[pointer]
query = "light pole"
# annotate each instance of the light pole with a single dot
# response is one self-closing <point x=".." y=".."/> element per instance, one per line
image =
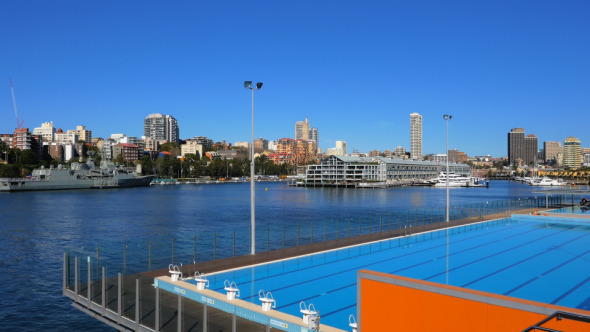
<point x="248" y="85"/>
<point x="447" y="119"/>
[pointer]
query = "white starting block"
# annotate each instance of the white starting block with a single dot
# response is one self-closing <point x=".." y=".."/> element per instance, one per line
<point x="201" y="280"/>
<point x="267" y="300"/>
<point x="231" y="289"/>
<point x="308" y="312"/>
<point x="352" y="322"/>
<point x="175" y="273"/>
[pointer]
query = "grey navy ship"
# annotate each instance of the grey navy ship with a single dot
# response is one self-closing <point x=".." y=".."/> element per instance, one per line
<point x="78" y="176"/>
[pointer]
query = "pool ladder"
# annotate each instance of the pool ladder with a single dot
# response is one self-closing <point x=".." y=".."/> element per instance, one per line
<point x="201" y="280"/>
<point x="311" y="317"/>
<point x="232" y="290"/>
<point x="175" y="273"/>
<point x="267" y="300"/>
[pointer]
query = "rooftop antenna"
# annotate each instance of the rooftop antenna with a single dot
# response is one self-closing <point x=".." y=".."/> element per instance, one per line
<point x="19" y="125"/>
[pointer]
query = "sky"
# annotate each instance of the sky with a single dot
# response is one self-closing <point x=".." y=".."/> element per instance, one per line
<point x="356" y="69"/>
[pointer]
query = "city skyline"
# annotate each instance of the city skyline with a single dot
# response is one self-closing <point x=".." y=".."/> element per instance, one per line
<point x="493" y="66"/>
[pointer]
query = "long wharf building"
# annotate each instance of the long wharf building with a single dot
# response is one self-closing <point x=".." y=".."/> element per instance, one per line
<point x="352" y="169"/>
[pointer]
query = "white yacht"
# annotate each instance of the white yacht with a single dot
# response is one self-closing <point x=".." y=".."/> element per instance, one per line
<point x="546" y="182"/>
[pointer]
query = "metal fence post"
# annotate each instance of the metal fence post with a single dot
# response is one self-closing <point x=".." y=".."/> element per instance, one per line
<point x="76" y="278"/>
<point x="283" y="236"/>
<point x="157" y="322"/>
<point x="124" y="259"/>
<point x="268" y="238"/>
<point x="64" y="276"/>
<point x="179" y="324"/>
<point x="215" y="246"/>
<point x="324" y="231"/>
<point x="234" y="245"/>
<point x="97" y="263"/>
<point x="312" y="232"/>
<point x="119" y="295"/>
<point x="136" y="304"/>
<point x="150" y="255"/>
<point x="104" y="290"/>
<point x="89" y="282"/>
<point x="172" y="250"/>
<point x="297" y="234"/>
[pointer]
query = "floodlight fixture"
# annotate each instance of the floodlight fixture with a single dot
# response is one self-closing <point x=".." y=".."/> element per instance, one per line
<point x="258" y="85"/>
<point x="248" y="84"/>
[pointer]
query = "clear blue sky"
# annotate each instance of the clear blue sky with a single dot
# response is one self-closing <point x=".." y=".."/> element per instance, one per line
<point x="356" y="69"/>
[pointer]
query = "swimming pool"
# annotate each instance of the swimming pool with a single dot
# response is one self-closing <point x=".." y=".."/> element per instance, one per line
<point x="526" y="258"/>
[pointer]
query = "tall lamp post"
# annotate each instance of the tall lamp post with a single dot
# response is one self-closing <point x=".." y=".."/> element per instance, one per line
<point x="447" y="119"/>
<point x="248" y="85"/>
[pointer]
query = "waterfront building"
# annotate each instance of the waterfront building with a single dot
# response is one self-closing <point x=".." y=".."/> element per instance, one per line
<point x="374" y="153"/>
<point x="341" y="145"/>
<point x="295" y="152"/>
<point x="151" y="144"/>
<point x="272" y="145"/>
<point x="314" y="136"/>
<point x="302" y="129"/>
<point x="55" y="151"/>
<point x="46" y="131"/>
<point x="334" y="152"/>
<point x="456" y="156"/>
<point x="192" y="146"/>
<point x="351" y="169"/>
<point x="531" y="145"/>
<point x="82" y="133"/>
<point x="130" y="152"/>
<point x="260" y="145"/>
<point x="522" y="150"/>
<point x="572" y="154"/>
<point x="416" y="136"/>
<point x="440" y="158"/>
<point x="161" y="127"/>
<point x="206" y="142"/>
<point x="400" y="152"/>
<point x="65" y="138"/>
<point x="551" y="149"/>
<point x="586" y="160"/>
<point x="245" y="145"/>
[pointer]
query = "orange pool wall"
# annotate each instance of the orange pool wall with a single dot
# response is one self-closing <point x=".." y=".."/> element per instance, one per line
<point x="394" y="303"/>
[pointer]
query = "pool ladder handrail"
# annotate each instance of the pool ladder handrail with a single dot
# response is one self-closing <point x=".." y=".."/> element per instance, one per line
<point x="231" y="287"/>
<point x="175" y="272"/>
<point x="352" y="322"/>
<point x="307" y="311"/>
<point x="201" y="280"/>
<point x="267" y="300"/>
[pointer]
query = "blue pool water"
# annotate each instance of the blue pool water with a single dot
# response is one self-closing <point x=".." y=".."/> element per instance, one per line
<point x="539" y="261"/>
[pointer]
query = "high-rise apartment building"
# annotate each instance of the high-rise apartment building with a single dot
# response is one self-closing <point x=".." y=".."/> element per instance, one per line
<point x="551" y="150"/>
<point x="531" y="149"/>
<point x="522" y="150"/>
<point x="572" y="153"/>
<point x="416" y="135"/>
<point x="161" y="127"/>
<point x="302" y="130"/>
<point x="314" y="136"/>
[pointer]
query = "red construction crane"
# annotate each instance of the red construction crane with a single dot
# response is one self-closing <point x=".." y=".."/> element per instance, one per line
<point x="19" y="125"/>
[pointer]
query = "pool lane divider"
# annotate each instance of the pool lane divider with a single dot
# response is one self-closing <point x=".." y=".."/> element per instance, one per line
<point x="241" y="308"/>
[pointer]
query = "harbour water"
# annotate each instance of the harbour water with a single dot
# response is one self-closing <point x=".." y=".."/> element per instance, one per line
<point x="37" y="227"/>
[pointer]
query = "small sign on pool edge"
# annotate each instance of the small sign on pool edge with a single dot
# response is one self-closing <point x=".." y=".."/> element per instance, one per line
<point x="278" y="323"/>
<point x="207" y="300"/>
<point x="179" y="290"/>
